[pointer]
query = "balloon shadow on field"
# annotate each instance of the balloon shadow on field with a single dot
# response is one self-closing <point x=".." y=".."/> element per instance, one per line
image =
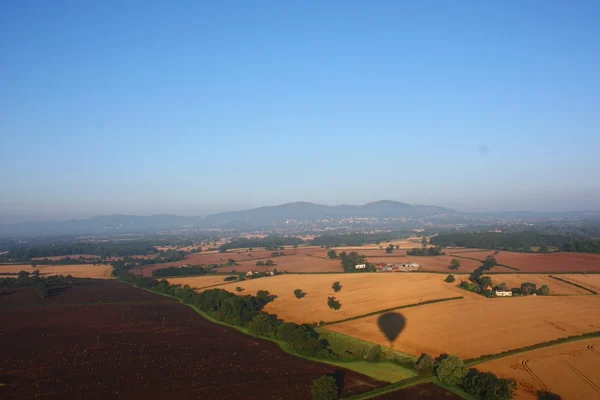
<point x="391" y="324"/>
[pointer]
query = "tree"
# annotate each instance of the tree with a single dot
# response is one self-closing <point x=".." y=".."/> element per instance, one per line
<point x="485" y="281"/>
<point x="528" y="288"/>
<point x="450" y="278"/>
<point x="231" y="278"/>
<point x="299" y="293"/>
<point x="260" y="263"/>
<point x="264" y="324"/>
<point x="397" y="247"/>
<point x="389" y="249"/>
<point x="333" y="303"/>
<point x="450" y="370"/>
<point x="425" y="364"/>
<point x="487" y="386"/>
<point x="374" y="353"/>
<point x="325" y="388"/>
<point x="424" y="241"/>
<point x="454" y="264"/>
<point x="490" y="261"/>
<point x="239" y="289"/>
<point x="544" y="290"/>
<point x="336" y="286"/>
<point x="332" y="254"/>
<point x="269" y="263"/>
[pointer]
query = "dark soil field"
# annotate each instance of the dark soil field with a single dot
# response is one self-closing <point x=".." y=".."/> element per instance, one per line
<point x="424" y="391"/>
<point x="108" y="340"/>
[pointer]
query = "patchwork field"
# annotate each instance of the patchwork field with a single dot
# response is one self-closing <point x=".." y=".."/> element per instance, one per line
<point x="569" y="370"/>
<point x="543" y="262"/>
<point x="361" y="293"/>
<point x="556" y="286"/>
<point x="105" y="340"/>
<point x="591" y="281"/>
<point x="76" y="270"/>
<point x="472" y="327"/>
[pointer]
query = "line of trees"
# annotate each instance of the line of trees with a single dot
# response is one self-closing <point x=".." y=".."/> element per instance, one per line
<point x="357" y="239"/>
<point x="431" y="251"/>
<point x="101" y="249"/>
<point x="269" y="243"/>
<point x="352" y="259"/>
<point x="181" y="271"/>
<point x="44" y="286"/>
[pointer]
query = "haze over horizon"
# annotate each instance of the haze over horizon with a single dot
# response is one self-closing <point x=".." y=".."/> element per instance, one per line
<point x="190" y="109"/>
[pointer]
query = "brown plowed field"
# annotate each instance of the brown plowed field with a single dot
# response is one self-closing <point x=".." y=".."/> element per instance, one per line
<point x="98" y="271"/>
<point x="569" y="370"/>
<point x="361" y="293"/>
<point x="149" y="347"/>
<point x="474" y="327"/>
<point x="556" y="286"/>
<point x="424" y="391"/>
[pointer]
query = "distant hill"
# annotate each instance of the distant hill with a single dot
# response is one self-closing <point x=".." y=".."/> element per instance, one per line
<point x="311" y="211"/>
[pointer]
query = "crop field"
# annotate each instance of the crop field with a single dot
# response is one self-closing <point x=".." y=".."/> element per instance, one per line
<point x="473" y="327"/>
<point x="361" y="293"/>
<point x="432" y="264"/>
<point x="543" y="262"/>
<point x="424" y="391"/>
<point x="140" y="345"/>
<point x="556" y="287"/>
<point x="98" y="271"/>
<point x="590" y="281"/>
<point x="569" y="370"/>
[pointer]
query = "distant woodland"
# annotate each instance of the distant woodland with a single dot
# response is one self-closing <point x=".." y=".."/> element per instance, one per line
<point x="357" y="239"/>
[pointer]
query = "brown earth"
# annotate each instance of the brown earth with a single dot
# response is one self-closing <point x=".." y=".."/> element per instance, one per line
<point x="474" y="327"/>
<point x="543" y="262"/>
<point x="141" y="345"/>
<point x="424" y="391"/>
<point x="569" y="370"/>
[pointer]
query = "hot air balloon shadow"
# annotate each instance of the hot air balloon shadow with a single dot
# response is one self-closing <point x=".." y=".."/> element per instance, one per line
<point x="391" y="324"/>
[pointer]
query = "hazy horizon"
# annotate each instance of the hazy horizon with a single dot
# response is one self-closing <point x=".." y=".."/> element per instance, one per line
<point x="190" y="108"/>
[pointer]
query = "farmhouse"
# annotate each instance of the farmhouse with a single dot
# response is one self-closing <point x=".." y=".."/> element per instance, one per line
<point x="360" y="266"/>
<point x="503" y="293"/>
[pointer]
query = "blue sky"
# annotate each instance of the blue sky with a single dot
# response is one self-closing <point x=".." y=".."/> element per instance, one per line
<point x="193" y="107"/>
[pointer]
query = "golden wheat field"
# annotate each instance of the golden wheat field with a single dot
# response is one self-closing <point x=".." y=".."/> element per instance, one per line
<point x="360" y="294"/>
<point x="556" y="286"/>
<point x="570" y="370"/>
<point x="76" y="270"/>
<point x="474" y="327"/>
<point x="590" y="281"/>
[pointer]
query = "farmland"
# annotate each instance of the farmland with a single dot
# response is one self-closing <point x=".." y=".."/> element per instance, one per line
<point x="106" y="339"/>
<point x="543" y="262"/>
<point x="569" y="370"/>
<point x="432" y="264"/>
<point x="98" y="271"/>
<point x="361" y="293"/>
<point x="471" y="327"/>
<point x="556" y="286"/>
<point x="198" y="282"/>
<point x="591" y="281"/>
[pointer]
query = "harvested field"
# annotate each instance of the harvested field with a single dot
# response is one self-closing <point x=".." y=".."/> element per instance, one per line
<point x="424" y="391"/>
<point x="295" y="259"/>
<point x="569" y="370"/>
<point x="469" y="327"/>
<point x="98" y="271"/>
<point x="545" y="262"/>
<point x="149" y="347"/>
<point x="198" y="282"/>
<point x="556" y="286"/>
<point x="591" y="281"/>
<point x="361" y="293"/>
<point x="433" y="264"/>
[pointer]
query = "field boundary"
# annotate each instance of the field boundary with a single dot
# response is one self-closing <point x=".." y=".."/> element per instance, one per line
<point x="481" y="261"/>
<point x="395" y="308"/>
<point x="574" y="284"/>
<point x="489" y="357"/>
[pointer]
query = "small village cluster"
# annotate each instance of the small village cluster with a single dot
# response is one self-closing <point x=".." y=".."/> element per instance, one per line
<point x="406" y="267"/>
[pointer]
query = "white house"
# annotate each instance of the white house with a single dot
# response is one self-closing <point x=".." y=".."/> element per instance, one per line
<point x="360" y="266"/>
<point x="503" y="293"/>
<point x="249" y="273"/>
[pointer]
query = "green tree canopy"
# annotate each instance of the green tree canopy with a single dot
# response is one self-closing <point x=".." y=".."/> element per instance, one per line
<point x="325" y="388"/>
<point x="450" y="370"/>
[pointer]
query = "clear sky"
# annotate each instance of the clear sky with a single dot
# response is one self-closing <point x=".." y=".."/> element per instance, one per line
<point x="189" y="107"/>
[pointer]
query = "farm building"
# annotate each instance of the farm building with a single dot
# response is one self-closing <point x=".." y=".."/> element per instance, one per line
<point x="503" y="293"/>
<point x="360" y="266"/>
